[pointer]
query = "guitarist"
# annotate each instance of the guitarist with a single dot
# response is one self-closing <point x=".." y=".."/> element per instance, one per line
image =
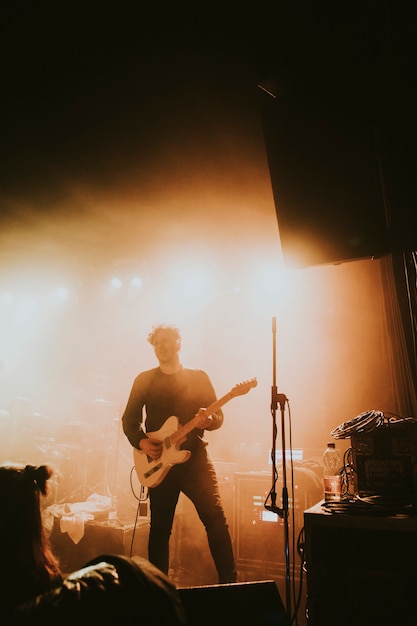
<point x="157" y="394"/>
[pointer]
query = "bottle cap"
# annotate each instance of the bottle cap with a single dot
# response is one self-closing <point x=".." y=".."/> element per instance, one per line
<point x="331" y="444"/>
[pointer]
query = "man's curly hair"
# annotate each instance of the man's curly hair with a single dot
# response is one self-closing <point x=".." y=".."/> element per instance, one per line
<point x="164" y="327"/>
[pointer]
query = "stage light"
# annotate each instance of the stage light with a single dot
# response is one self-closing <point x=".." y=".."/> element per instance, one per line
<point x="116" y="283"/>
<point x="136" y="282"/>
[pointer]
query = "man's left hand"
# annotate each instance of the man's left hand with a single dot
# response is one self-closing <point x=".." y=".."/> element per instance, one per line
<point x="203" y="419"/>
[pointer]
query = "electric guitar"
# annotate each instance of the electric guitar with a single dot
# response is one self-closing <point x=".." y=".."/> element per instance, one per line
<point x="151" y="472"/>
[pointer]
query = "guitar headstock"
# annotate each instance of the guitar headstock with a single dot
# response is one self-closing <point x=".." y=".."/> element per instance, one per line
<point x="241" y="388"/>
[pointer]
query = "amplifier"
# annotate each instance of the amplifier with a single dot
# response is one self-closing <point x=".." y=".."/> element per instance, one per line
<point x="259" y="534"/>
<point x="99" y="538"/>
<point x="385" y="461"/>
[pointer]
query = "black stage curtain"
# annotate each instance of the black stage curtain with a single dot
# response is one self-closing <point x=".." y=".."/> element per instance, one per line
<point x="399" y="275"/>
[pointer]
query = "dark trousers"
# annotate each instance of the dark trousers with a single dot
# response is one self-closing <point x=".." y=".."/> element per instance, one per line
<point x="196" y="478"/>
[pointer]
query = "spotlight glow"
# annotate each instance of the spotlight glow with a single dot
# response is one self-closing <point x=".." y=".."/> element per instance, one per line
<point x="136" y="282"/>
<point x="116" y="283"/>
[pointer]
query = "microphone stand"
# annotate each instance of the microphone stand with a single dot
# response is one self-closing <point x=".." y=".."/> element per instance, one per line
<point x="280" y="399"/>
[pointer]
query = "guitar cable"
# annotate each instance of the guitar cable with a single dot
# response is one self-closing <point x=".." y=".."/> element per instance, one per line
<point x="142" y="500"/>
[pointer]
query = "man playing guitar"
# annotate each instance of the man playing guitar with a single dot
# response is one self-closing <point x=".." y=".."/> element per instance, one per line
<point x="157" y="395"/>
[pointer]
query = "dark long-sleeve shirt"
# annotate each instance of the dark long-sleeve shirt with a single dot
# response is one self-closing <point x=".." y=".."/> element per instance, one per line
<point x="156" y="396"/>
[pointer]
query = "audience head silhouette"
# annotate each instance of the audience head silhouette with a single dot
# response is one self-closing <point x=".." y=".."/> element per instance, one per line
<point x="28" y="565"/>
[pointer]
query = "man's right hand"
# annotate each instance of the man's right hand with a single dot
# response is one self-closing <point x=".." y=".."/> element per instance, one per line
<point x="151" y="447"/>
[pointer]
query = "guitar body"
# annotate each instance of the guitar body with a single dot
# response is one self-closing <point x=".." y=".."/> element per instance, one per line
<point x="152" y="472"/>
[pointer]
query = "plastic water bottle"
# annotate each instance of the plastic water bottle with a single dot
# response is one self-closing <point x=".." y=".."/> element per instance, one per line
<point x="331" y="474"/>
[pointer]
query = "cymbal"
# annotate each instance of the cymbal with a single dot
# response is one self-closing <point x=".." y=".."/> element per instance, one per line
<point x="99" y="401"/>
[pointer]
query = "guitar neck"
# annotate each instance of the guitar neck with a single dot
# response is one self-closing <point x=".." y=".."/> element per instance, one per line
<point x="183" y="431"/>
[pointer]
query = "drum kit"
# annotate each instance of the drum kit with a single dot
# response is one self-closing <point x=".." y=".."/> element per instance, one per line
<point x="82" y="452"/>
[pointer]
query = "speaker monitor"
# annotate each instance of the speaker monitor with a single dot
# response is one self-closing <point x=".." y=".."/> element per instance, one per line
<point x="245" y="604"/>
<point x="340" y="145"/>
<point x="327" y="195"/>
